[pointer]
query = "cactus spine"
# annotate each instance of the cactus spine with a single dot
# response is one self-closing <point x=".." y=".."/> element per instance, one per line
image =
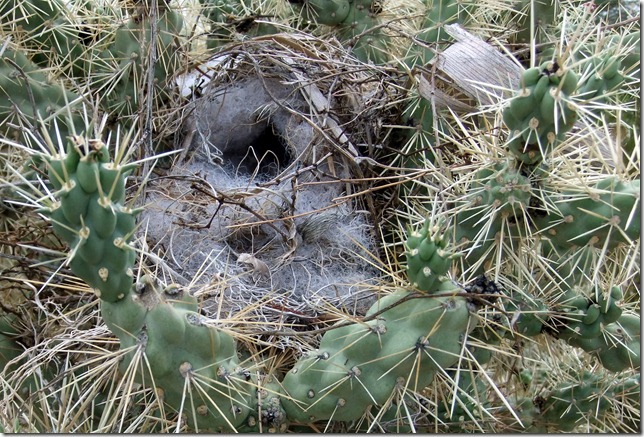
<point x="356" y="366"/>
<point x="28" y="96"/>
<point x="513" y="214"/>
<point x="542" y="113"/>
<point x="362" y="365"/>
<point x="356" y="23"/>
<point x="183" y="355"/>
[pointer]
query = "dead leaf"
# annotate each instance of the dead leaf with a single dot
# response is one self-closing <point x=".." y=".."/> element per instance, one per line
<point x="468" y="74"/>
<point x="260" y="268"/>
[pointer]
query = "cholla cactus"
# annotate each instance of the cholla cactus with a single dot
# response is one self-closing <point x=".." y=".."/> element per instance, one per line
<point x="88" y="212"/>
<point x="29" y="96"/>
<point x="357" y="23"/>
<point x="518" y="308"/>
<point x="551" y="248"/>
<point x="230" y="20"/>
<point x="363" y="365"/>
<point x="61" y="54"/>
<point x="540" y="117"/>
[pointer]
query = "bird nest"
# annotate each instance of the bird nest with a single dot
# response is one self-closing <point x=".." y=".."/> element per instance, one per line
<point x="270" y="203"/>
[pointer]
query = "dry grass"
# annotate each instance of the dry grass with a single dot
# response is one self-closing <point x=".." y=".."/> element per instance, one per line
<point x="69" y="360"/>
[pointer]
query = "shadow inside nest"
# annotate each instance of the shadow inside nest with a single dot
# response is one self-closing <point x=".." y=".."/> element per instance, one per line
<point x="262" y="205"/>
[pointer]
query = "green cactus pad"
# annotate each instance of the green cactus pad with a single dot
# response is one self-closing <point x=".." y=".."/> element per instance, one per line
<point x="361" y="365"/>
<point x="569" y="406"/>
<point x="94" y="226"/>
<point x="529" y="315"/>
<point x="427" y="257"/>
<point x="541" y="113"/>
<point x="604" y="215"/>
<point x="329" y="12"/>
<point x="618" y="346"/>
<point x="498" y="198"/>
<point x="603" y="77"/>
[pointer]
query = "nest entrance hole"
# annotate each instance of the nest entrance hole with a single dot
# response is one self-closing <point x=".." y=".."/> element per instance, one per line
<point x="265" y="156"/>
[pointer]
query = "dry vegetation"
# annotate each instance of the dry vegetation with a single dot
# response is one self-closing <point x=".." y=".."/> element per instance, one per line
<point x="280" y="178"/>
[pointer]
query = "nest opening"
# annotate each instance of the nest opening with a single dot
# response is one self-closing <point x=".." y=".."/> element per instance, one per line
<point x="265" y="155"/>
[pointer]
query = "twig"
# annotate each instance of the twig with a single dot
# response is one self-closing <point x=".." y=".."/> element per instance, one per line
<point x="387" y="308"/>
<point x="224" y="198"/>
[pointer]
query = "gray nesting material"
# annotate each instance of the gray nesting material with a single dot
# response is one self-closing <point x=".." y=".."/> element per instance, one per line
<point x="255" y="207"/>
